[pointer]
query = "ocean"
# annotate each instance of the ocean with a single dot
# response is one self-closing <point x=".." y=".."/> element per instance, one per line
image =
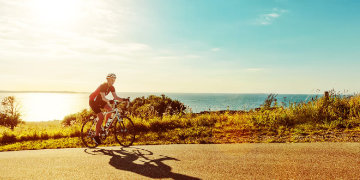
<point x="55" y="106"/>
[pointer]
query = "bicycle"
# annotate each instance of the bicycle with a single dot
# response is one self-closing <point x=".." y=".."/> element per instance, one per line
<point x="123" y="130"/>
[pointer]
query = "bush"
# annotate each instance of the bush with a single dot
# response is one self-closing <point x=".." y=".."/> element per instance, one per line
<point x="69" y="120"/>
<point x="8" y="138"/>
<point x="269" y="101"/>
<point x="155" y="106"/>
<point x="77" y="118"/>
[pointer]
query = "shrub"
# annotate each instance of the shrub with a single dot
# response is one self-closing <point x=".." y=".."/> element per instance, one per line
<point x="8" y="138"/>
<point x="269" y="101"/>
<point x="155" y="106"/>
<point x="69" y="120"/>
<point x="77" y="118"/>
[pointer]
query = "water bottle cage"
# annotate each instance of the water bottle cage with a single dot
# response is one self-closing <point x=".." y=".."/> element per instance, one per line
<point x="108" y="123"/>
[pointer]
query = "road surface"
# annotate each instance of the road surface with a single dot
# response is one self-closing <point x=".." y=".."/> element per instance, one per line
<point x="197" y="161"/>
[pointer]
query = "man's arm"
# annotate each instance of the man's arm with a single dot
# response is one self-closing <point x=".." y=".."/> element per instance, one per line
<point x="104" y="98"/>
<point x="116" y="97"/>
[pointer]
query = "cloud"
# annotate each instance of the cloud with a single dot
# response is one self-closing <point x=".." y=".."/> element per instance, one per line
<point x="254" y="69"/>
<point x="215" y="49"/>
<point x="100" y="31"/>
<point x="269" y="18"/>
<point x="192" y="56"/>
<point x="174" y="57"/>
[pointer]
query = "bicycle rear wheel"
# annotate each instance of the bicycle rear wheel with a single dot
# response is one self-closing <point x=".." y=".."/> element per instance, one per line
<point x="88" y="131"/>
<point x="124" y="132"/>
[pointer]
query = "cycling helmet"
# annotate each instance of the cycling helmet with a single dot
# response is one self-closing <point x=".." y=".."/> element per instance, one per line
<point x="111" y="75"/>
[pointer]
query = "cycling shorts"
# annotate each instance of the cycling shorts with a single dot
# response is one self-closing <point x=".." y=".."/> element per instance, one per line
<point x="97" y="105"/>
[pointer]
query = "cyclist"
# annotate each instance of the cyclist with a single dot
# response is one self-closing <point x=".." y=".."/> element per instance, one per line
<point x="97" y="101"/>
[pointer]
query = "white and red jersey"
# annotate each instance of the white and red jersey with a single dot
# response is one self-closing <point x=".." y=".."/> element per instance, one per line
<point x="102" y="88"/>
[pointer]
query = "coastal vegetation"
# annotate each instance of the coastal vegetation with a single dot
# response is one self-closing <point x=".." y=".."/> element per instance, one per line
<point x="160" y="120"/>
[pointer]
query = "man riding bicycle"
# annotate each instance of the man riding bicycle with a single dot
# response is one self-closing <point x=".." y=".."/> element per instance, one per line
<point x="98" y="101"/>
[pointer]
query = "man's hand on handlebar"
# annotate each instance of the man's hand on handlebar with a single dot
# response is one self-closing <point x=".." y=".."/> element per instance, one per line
<point x="126" y="99"/>
<point x="120" y="100"/>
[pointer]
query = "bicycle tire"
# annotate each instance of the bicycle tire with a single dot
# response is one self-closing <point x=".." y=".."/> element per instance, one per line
<point x="88" y="130"/>
<point x="124" y="132"/>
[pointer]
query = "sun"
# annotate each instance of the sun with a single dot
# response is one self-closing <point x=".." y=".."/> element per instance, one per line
<point x="56" y="12"/>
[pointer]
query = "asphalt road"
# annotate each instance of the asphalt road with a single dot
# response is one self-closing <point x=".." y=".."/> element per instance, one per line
<point x="225" y="161"/>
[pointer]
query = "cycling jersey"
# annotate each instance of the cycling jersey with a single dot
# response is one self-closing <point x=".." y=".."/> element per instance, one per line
<point x="102" y="88"/>
<point x="95" y="100"/>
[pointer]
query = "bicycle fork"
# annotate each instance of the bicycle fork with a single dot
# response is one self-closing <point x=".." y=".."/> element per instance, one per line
<point x="122" y="126"/>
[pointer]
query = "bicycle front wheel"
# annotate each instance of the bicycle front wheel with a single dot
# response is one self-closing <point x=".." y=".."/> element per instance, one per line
<point x="124" y="131"/>
<point x="88" y="131"/>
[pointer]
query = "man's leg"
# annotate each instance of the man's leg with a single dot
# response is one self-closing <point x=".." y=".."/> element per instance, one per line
<point x="98" y="125"/>
<point x="108" y="108"/>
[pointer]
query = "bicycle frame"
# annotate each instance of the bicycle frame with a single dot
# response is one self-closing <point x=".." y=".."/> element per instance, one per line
<point x="124" y="133"/>
<point x="110" y="121"/>
<point x="117" y="115"/>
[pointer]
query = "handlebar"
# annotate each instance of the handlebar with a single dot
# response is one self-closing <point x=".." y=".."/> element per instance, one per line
<point x="116" y="102"/>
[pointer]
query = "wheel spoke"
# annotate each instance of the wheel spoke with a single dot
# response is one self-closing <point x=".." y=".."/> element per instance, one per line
<point x="88" y="132"/>
<point x="125" y="132"/>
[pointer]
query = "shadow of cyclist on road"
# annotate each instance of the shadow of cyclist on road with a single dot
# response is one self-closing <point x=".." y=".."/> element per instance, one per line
<point x="140" y="161"/>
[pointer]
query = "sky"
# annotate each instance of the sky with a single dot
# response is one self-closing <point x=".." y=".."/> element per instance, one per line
<point x="197" y="46"/>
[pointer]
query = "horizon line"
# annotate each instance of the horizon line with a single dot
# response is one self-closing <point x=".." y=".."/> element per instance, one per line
<point x="79" y="92"/>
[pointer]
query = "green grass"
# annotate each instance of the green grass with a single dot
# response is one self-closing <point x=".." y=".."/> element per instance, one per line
<point x="31" y="131"/>
<point x="336" y="119"/>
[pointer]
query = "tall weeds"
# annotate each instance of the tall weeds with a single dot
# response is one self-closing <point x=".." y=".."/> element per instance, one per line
<point x="344" y="111"/>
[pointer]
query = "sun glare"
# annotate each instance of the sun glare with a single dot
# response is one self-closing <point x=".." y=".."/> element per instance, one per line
<point x="56" y="12"/>
<point x="50" y="106"/>
<point x="41" y="106"/>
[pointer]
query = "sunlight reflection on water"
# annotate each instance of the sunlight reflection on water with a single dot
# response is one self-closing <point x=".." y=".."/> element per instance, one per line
<point x="49" y="106"/>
